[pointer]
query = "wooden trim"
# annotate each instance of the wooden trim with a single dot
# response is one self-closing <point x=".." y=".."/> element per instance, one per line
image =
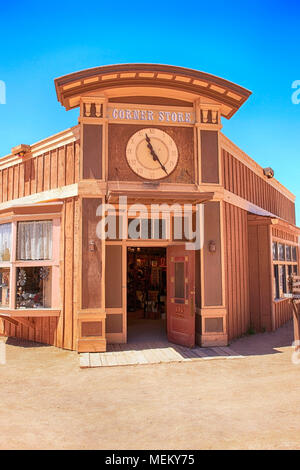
<point x="29" y="312"/>
<point x="70" y="87"/>
<point x="43" y="197"/>
<point x="43" y="146"/>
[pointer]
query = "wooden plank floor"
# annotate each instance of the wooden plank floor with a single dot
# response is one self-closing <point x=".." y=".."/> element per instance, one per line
<point x="152" y="353"/>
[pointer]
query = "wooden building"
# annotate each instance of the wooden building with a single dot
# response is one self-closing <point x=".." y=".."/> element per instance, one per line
<point x="152" y="134"/>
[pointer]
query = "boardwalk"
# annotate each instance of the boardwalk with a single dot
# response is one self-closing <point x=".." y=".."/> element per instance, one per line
<point x="152" y="353"/>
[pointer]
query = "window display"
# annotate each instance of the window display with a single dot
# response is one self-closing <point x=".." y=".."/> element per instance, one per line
<point x="33" y="289"/>
<point x="4" y="287"/>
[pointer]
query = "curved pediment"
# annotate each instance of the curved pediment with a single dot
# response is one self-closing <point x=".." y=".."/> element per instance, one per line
<point x="125" y="80"/>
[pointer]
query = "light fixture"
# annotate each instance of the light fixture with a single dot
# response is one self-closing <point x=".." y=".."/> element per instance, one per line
<point x="21" y="150"/>
<point x="212" y="247"/>
<point x="269" y="172"/>
<point x="92" y="245"/>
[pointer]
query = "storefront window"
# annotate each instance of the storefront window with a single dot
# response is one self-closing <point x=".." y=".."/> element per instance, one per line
<point x="34" y="240"/>
<point x="285" y="264"/>
<point x="4" y="287"/>
<point x="33" y="289"/>
<point x="5" y="242"/>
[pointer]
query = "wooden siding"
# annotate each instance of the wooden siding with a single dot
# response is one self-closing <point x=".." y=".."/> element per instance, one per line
<point x="58" y="331"/>
<point x="240" y="180"/>
<point x="283" y="312"/>
<point x="260" y="276"/>
<point x="236" y="269"/>
<point x="58" y="167"/>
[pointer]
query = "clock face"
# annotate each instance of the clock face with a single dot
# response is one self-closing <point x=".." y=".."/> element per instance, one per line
<point x="151" y="153"/>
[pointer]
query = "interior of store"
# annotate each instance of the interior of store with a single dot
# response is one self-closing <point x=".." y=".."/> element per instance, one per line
<point x="146" y="293"/>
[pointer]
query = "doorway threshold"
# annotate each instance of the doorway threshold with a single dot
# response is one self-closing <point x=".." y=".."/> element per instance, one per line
<point x="153" y="353"/>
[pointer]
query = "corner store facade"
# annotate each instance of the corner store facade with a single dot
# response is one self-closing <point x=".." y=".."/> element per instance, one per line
<point x="64" y="178"/>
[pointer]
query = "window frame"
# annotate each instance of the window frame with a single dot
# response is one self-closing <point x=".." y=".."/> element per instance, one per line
<point x="14" y="263"/>
<point x="285" y="264"/>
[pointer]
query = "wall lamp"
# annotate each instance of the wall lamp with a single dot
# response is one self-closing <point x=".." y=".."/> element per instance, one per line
<point x="269" y="172"/>
<point x="21" y="150"/>
<point x="212" y="247"/>
<point x="92" y="245"/>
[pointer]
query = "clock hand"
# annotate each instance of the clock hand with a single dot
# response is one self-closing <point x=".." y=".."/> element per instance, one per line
<point x="154" y="156"/>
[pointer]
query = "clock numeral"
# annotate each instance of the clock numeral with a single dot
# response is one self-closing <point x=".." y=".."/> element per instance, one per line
<point x="151" y="131"/>
<point x="173" y="153"/>
<point x="129" y="151"/>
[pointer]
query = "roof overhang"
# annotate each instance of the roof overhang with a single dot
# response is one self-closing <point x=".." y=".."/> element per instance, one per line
<point x="189" y="82"/>
<point x="150" y="196"/>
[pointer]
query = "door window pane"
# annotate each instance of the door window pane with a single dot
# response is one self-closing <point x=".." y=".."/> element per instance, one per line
<point x="179" y="281"/>
<point x="288" y="253"/>
<point x="5" y="242"/>
<point x="4" y="287"/>
<point x="35" y="240"/>
<point x="294" y="253"/>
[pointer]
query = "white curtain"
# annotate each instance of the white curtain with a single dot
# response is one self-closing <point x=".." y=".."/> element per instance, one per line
<point x="35" y="240"/>
<point x="5" y="242"/>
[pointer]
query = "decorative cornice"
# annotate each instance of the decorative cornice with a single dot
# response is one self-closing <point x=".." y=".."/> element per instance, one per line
<point x="70" y="87"/>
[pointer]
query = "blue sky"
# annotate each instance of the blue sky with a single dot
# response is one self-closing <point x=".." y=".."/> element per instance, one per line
<point x="254" y="44"/>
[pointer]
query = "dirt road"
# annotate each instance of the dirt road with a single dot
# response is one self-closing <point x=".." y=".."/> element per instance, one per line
<point x="48" y="402"/>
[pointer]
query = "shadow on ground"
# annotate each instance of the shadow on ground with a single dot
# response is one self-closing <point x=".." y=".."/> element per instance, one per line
<point x="265" y="343"/>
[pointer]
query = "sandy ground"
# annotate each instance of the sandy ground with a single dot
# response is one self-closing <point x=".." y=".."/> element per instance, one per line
<point x="48" y="402"/>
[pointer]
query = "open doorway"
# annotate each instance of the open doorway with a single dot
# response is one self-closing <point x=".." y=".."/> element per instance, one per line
<point x="146" y="294"/>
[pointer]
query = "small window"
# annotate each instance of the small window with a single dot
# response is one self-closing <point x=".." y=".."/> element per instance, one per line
<point x="34" y="240"/>
<point x="276" y="282"/>
<point x="288" y="253"/>
<point x="5" y="242"/>
<point x="281" y="252"/>
<point x="295" y="270"/>
<point x="33" y="289"/>
<point x="282" y="280"/>
<point x="294" y="253"/>
<point x="275" y="251"/>
<point x="4" y="287"/>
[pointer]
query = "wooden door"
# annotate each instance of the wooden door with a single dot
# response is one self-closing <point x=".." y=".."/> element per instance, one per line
<point x="181" y="296"/>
